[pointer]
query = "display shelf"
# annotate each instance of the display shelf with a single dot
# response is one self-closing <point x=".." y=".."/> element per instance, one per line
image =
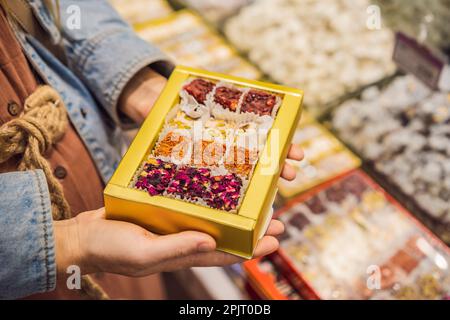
<point x="345" y="234"/>
<point x="325" y="158"/>
<point x="136" y="11"/>
<point x="401" y="132"/>
<point x="190" y="41"/>
<point x="325" y="48"/>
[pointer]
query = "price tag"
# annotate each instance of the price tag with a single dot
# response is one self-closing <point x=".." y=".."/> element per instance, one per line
<point x="415" y="58"/>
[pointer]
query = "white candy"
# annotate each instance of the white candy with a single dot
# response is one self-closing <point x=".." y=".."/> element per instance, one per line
<point x="404" y="129"/>
<point x="321" y="46"/>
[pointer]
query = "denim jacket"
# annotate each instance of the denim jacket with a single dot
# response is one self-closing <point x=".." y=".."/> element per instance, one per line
<point x="102" y="56"/>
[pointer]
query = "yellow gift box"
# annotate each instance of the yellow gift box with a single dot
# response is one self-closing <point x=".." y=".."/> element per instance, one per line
<point x="236" y="233"/>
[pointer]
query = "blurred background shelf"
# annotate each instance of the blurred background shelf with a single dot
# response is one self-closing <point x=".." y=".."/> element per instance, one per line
<point x="326" y="49"/>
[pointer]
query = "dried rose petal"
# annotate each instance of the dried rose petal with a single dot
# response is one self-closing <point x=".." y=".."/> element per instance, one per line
<point x="190" y="183"/>
<point x="156" y="176"/>
<point x="241" y="161"/>
<point x="173" y="145"/>
<point x="225" y="192"/>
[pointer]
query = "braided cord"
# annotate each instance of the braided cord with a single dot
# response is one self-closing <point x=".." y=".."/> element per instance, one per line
<point x="32" y="135"/>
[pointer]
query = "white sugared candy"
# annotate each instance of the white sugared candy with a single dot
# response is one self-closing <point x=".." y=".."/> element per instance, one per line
<point x="323" y="47"/>
<point x="405" y="130"/>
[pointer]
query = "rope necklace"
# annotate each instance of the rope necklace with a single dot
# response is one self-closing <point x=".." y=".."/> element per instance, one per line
<point x="32" y="135"/>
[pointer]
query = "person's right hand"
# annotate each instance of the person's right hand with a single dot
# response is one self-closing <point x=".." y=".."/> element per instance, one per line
<point x="99" y="245"/>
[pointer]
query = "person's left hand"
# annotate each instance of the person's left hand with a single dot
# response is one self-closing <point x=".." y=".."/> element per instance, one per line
<point x="140" y="94"/>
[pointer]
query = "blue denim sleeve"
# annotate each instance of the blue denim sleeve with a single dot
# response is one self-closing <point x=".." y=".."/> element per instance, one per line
<point x="104" y="50"/>
<point x="27" y="254"/>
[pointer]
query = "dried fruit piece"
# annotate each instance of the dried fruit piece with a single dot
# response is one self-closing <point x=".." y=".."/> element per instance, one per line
<point x="199" y="89"/>
<point x="405" y="261"/>
<point x="259" y="102"/>
<point x="241" y="161"/>
<point x="228" y="97"/>
<point x="207" y="153"/>
<point x="284" y="236"/>
<point x="173" y="145"/>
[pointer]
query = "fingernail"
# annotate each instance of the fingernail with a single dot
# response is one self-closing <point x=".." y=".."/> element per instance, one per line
<point x="205" y="247"/>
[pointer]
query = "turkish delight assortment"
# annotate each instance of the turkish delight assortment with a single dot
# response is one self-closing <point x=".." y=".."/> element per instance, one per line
<point x="350" y="241"/>
<point x="137" y="11"/>
<point x="322" y="46"/>
<point x="210" y="143"/>
<point x="191" y="42"/>
<point x="404" y="130"/>
<point x="325" y="158"/>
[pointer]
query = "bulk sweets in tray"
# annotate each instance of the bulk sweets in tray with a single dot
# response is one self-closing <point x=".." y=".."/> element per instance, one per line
<point x="350" y="240"/>
<point x="268" y="281"/>
<point x="403" y="130"/>
<point x="136" y="11"/>
<point x="207" y="158"/>
<point x="216" y="11"/>
<point x="188" y="40"/>
<point x="325" y="158"/>
<point x="323" y="46"/>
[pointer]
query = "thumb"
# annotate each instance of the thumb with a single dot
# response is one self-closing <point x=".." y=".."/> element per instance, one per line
<point x="181" y="244"/>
